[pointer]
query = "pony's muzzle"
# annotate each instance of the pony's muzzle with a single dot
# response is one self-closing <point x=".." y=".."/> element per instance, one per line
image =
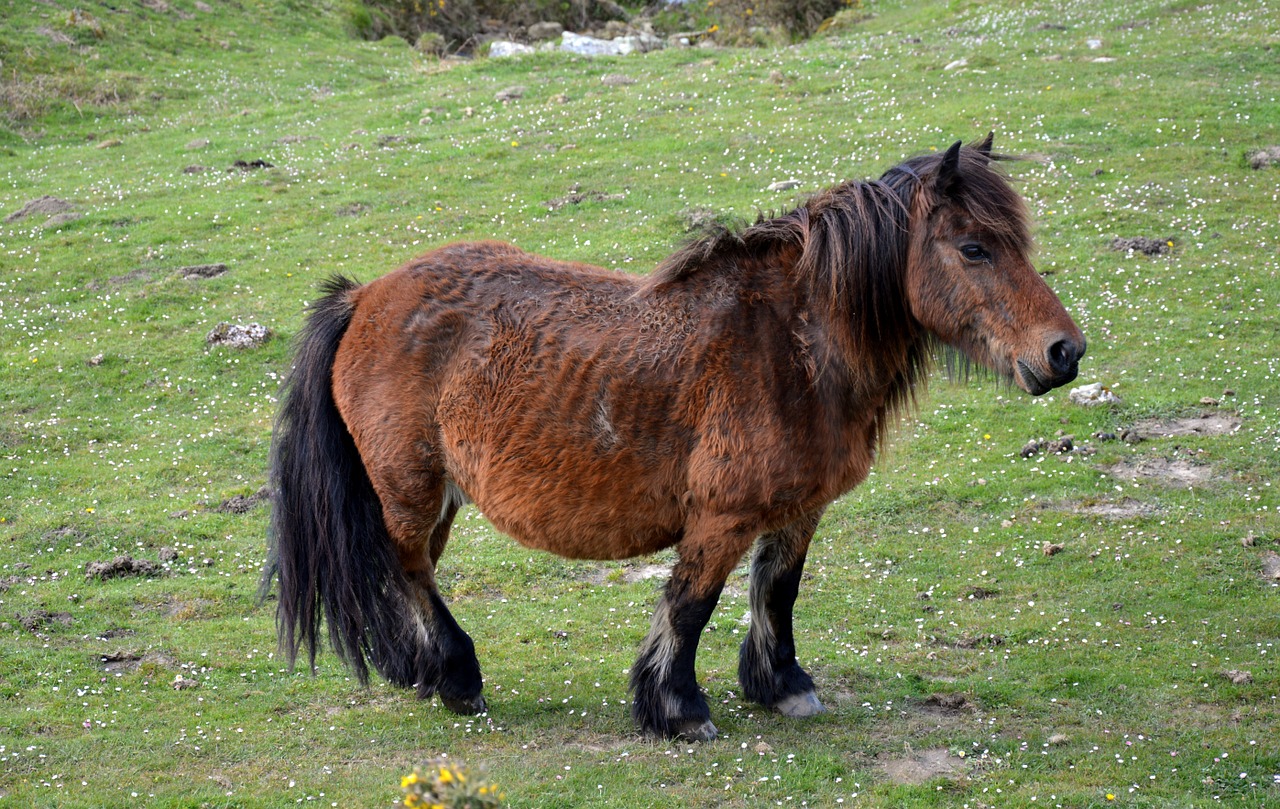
<point x="1064" y="358"/>
<point x="1060" y="365"/>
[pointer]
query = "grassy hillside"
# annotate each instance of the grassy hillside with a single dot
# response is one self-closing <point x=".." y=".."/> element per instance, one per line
<point x="962" y="664"/>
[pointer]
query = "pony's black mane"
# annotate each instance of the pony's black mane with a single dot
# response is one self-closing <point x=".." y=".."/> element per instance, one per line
<point x="872" y="213"/>
<point x="853" y="244"/>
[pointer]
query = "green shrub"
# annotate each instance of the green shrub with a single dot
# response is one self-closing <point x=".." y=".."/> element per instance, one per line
<point x="762" y="21"/>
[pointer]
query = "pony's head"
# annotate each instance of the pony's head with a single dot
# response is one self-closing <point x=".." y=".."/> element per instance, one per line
<point x="970" y="281"/>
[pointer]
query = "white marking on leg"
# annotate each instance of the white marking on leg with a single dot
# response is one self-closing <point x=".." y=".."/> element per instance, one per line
<point x="413" y="605"/>
<point x="662" y="642"/>
<point x="765" y="569"/>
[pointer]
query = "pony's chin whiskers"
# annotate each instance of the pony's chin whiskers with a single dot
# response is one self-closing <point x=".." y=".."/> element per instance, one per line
<point x="982" y="362"/>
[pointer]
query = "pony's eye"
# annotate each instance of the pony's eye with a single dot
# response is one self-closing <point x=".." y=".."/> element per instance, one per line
<point x="975" y="252"/>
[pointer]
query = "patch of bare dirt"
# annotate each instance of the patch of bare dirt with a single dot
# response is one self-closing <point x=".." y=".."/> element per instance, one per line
<point x="947" y="705"/>
<point x="629" y="574"/>
<point x="1177" y="472"/>
<point x="1126" y="509"/>
<point x="1271" y="566"/>
<point x="576" y="196"/>
<point x="983" y="640"/>
<point x="139" y="274"/>
<point x="1266" y="156"/>
<point x="919" y="767"/>
<point x="244" y="503"/>
<point x="46" y="205"/>
<point x="37" y="620"/>
<point x="1143" y="245"/>
<point x="122" y="566"/>
<point x="197" y="272"/>
<point x="1205" y="424"/>
<point x="126" y="661"/>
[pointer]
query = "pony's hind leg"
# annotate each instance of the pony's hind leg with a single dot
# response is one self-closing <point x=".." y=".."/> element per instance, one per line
<point x="442" y="658"/>
<point x="767" y="667"/>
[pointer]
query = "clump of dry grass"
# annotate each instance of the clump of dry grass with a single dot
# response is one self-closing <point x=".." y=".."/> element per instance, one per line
<point x="26" y="98"/>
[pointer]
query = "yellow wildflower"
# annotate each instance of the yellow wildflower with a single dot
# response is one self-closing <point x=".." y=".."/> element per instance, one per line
<point x="409" y="780"/>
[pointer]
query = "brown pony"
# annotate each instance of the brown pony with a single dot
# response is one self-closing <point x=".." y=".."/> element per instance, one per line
<point x="722" y="401"/>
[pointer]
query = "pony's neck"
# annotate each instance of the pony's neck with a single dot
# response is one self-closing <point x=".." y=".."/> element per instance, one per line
<point x="853" y="269"/>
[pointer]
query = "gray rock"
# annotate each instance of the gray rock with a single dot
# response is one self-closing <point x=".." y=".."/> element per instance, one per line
<point x="639" y="43"/>
<point x="588" y="46"/>
<point x="238" y="335"/>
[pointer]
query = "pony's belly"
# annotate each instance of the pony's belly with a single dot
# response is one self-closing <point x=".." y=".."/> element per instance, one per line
<point x="577" y="528"/>
<point x="557" y="472"/>
<point x="588" y="542"/>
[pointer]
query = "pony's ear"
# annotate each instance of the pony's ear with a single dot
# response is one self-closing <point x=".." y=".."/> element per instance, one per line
<point x="985" y="146"/>
<point x="948" y="179"/>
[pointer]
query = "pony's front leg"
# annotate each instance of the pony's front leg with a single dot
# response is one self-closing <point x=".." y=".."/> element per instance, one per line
<point x="767" y="667"/>
<point x="666" y="699"/>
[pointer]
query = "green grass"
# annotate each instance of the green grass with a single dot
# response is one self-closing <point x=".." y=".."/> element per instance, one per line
<point x="1096" y="671"/>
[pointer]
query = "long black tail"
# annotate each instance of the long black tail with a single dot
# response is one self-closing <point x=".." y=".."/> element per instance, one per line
<point x="328" y="543"/>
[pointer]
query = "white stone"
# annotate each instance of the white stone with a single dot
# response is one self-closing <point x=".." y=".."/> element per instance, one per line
<point x="1093" y="395"/>
<point x="501" y="49"/>
<point x="588" y="46"/>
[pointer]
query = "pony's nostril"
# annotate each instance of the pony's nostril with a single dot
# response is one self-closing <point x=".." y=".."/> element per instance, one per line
<point x="1063" y="355"/>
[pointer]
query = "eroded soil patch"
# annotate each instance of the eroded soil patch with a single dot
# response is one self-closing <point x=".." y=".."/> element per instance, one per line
<point x="1143" y="245"/>
<point x="1126" y="509"/>
<point x="1271" y="566"/>
<point x="947" y="705"/>
<point x="244" y="503"/>
<point x="122" y="566"/>
<point x="1176" y="472"/>
<point x="126" y="661"/>
<point x="200" y="272"/>
<point x="1206" y="424"/>
<point x="37" y="620"/>
<point x="46" y="206"/>
<point x="629" y="574"/>
<point x="923" y="766"/>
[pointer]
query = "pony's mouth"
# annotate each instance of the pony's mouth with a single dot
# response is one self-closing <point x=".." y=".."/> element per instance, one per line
<point x="1030" y="381"/>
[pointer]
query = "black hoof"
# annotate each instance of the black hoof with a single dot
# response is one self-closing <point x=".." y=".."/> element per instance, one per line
<point x="697" y="731"/>
<point x="466" y="707"/>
